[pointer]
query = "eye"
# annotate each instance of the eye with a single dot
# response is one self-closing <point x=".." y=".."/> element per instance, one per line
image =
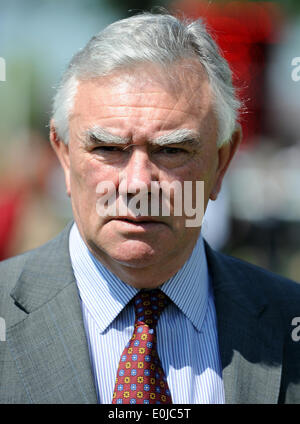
<point x="172" y="150"/>
<point x="109" y="153"/>
<point x="171" y="156"/>
<point x="108" y="149"/>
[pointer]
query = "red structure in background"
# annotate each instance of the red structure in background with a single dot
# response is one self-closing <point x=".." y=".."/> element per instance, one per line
<point x="244" y="31"/>
<point x="11" y="205"/>
<point x="20" y="186"/>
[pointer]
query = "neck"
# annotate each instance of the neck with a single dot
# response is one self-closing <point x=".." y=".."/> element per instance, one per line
<point x="144" y="276"/>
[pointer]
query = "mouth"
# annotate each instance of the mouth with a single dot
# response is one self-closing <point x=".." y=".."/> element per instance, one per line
<point x="139" y="218"/>
<point x="140" y="221"/>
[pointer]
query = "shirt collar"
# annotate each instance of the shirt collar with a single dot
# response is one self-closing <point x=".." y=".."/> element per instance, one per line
<point x="189" y="287"/>
<point x="105" y="295"/>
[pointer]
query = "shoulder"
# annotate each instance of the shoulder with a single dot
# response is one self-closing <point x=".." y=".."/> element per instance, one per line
<point x="257" y="273"/>
<point x="253" y="283"/>
<point x="10" y="269"/>
<point x="255" y="304"/>
<point x="29" y="262"/>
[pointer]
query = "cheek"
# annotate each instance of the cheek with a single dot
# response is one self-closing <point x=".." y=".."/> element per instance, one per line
<point x="87" y="172"/>
<point x="84" y="177"/>
<point x="196" y="170"/>
<point x="204" y="169"/>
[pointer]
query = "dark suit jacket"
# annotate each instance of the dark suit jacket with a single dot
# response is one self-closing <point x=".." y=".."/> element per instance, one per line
<point x="45" y="357"/>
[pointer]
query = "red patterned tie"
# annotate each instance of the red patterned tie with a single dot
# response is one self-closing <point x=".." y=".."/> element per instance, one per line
<point x="140" y="377"/>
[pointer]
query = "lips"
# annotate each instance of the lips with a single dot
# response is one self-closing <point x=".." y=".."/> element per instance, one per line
<point x="140" y="222"/>
<point x="138" y="219"/>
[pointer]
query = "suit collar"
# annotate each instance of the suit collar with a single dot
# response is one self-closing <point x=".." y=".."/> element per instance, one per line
<point x="47" y="271"/>
<point x="52" y="336"/>
<point x="250" y="339"/>
<point x="231" y="280"/>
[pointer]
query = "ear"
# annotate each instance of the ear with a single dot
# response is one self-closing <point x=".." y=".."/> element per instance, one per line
<point x="225" y="155"/>
<point x="62" y="151"/>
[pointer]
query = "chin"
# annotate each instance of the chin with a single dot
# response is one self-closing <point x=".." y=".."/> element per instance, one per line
<point x="135" y="254"/>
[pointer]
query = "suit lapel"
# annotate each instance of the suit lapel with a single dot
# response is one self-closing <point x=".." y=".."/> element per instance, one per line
<point x="49" y="345"/>
<point x="250" y="341"/>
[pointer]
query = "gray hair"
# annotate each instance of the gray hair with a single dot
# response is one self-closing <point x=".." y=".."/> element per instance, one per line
<point x="157" y="38"/>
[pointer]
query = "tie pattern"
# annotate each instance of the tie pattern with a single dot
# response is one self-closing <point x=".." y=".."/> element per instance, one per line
<point x="140" y="377"/>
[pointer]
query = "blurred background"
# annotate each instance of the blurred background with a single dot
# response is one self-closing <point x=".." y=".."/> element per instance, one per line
<point x="256" y="217"/>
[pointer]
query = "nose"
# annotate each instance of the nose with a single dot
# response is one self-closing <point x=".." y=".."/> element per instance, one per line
<point x="138" y="172"/>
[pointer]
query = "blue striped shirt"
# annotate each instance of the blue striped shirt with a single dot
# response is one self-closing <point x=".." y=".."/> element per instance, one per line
<point x="187" y="341"/>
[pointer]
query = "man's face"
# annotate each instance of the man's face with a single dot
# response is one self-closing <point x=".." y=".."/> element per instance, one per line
<point x="139" y="107"/>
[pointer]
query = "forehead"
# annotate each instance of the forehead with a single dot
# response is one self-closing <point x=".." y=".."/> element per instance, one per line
<point x="145" y="99"/>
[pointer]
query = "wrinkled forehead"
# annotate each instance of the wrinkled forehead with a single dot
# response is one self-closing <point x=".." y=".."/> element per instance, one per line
<point x="146" y="103"/>
<point x="185" y="83"/>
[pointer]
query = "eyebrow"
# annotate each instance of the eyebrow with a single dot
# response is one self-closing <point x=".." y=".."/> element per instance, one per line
<point x="178" y="136"/>
<point x="183" y="136"/>
<point x="100" y="135"/>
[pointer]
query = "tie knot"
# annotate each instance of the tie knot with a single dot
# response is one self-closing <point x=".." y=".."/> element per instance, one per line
<point x="149" y="305"/>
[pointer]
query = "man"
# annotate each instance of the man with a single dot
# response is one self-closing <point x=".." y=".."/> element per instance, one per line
<point x="148" y="102"/>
